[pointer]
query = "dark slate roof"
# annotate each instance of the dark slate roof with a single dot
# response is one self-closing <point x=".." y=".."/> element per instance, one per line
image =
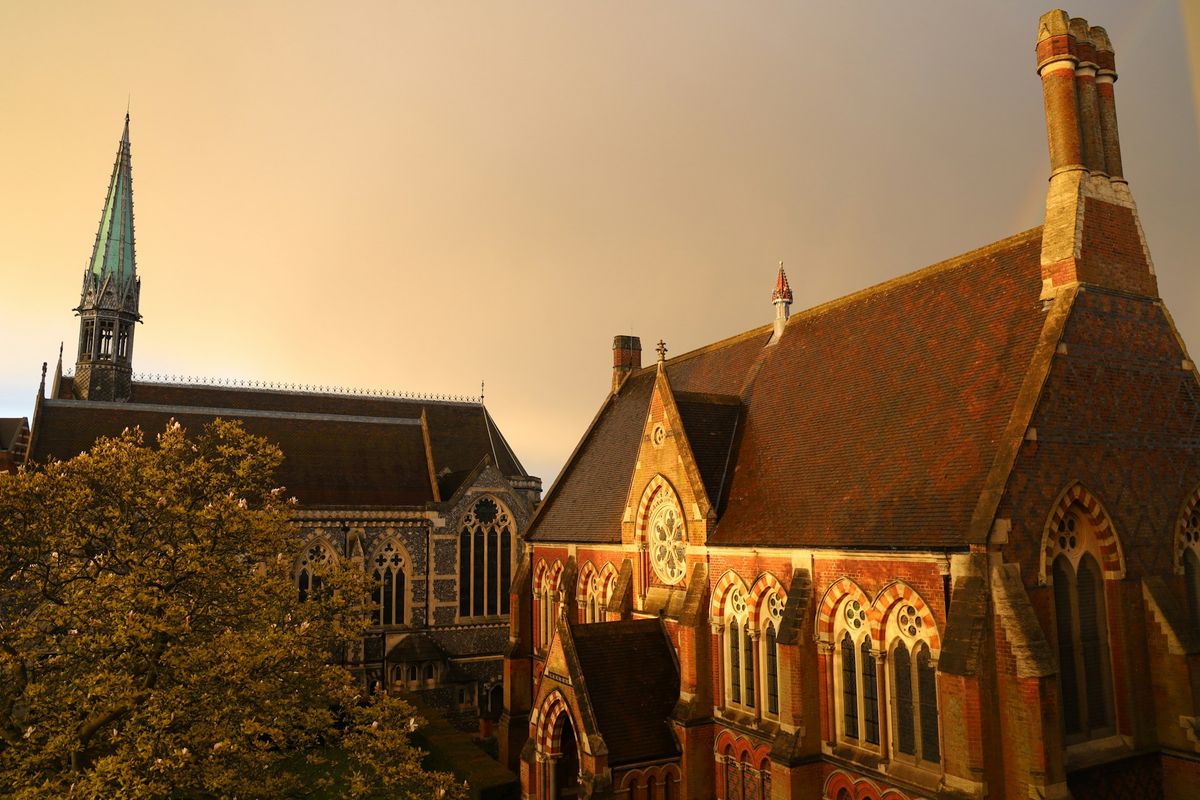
<point x="12" y="432"/>
<point x="632" y="681"/>
<point x="588" y="497"/>
<point x="873" y="421"/>
<point x="710" y="422"/>
<point x="339" y="450"/>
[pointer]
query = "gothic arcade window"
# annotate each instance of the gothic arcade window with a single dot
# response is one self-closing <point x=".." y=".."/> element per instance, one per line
<point x="740" y="658"/>
<point x="485" y="558"/>
<point x="1081" y="626"/>
<point x="123" y="340"/>
<point x="311" y="568"/>
<point x="860" y="696"/>
<point x="389" y="585"/>
<point x="86" y="336"/>
<point x="106" y="337"/>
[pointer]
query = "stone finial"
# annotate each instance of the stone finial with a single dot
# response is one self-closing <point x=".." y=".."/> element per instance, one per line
<point x="662" y="351"/>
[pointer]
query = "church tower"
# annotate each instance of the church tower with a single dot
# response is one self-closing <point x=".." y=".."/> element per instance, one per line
<point x="108" y="303"/>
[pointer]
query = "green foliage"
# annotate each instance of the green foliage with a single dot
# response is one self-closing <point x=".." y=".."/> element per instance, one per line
<point x="152" y="643"/>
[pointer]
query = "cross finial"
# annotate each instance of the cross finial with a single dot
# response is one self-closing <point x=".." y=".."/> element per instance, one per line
<point x="662" y="350"/>
<point x="481" y="393"/>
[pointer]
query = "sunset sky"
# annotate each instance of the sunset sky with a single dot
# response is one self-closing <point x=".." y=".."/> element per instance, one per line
<point x="420" y="196"/>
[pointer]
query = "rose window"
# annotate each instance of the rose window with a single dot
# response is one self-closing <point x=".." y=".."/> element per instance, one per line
<point x="909" y="621"/>
<point x="668" y="543"/>
<point x="855" y="614"/>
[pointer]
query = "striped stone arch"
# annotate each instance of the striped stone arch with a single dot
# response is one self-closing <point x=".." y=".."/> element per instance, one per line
<point x="758" y="593"/>
<point x="729" y="581"/>
<point x="1187" y="529"/>
<point x="554" y="575"/>
<point x="858" y="788"/>
<point x="608" y="576"/>
<point x="656" y="486"/>
<point x="539" y="574"/>
<point x="899" y="594"/>
<point x="844" y="588"/>
<point x="546" y="731"/>
<point x="585" y="574"/>
<point x="1107" y="546"/>
<point x="743" y="749"/>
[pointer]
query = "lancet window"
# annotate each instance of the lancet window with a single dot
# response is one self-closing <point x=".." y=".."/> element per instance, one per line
<point x="739" y="651"/>
<point x="390" y="585"/>
<point x="1081" y="624"/>
<point x="485" y="560"/>
<point x="1189" y="556"/>
<point x="311" y="569"/>
<point x="914" y="685"/>
<point x="772" y="617"/>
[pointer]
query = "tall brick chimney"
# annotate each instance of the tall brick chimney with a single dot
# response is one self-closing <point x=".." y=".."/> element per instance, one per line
<point x="627" y="357"/>
<point x="1091" y="233"/>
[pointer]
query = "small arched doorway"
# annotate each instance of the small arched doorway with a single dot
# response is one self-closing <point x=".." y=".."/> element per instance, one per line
<point x="566" y="766"/>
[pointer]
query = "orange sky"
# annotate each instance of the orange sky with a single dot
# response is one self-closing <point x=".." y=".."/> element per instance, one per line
<point x="418" y="196"/>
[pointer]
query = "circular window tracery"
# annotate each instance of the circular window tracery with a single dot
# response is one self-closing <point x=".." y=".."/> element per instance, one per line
<point x="658" y="435"/>
<point x="668" y="541"/>
<point x="1068" y="538"/>
<point x="856" y="615"/>
<point x="909" y="621"/>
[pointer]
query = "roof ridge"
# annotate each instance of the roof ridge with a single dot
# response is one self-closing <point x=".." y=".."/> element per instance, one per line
<point x="284" y="387"/>
<point x="879" y="288"/>
<point x="961" y="260"/>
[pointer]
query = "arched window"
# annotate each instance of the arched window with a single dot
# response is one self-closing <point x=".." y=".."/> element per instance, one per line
<point x="771" y="616"/>
<point x="593" y="598"/>
<point x="902" y="673"/>
<point x="390" y="585"/>
<point x="1081" y="628"/>
<point x="484" y="560"/>
<point x="1191" y="572"/>
<point x="764" y="777"/>
<point x="733" y="781"/>
<point x="740" y="657"/>
<point x="927" y="705"/>
<point x="870" y="695"/>
<point x="914" y="683"/>
<point x="311" y="568"/>
<point x="1190" y="556"/>
<point x="772" y="657"/>
<point x="849" y="688"/>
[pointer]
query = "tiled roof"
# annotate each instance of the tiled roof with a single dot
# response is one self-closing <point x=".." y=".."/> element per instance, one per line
<point x="631" y="705"/>
<point x="586" y="501"/>
<point x="873" y="421"/>
<point x="339" y="450"/>
<point x="710" y="422"/>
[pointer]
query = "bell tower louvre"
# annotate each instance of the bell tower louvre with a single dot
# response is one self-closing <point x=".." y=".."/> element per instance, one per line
<point x="108" y="301"/>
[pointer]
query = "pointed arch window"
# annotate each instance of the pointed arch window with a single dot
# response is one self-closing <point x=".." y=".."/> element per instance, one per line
<point x="390" y="585"/>
<point x="740" y="652"/>
<point x="106" y="337"/>
<point x="1081" y="628"/>
<point x="849" y="688"/>
<point x="913" y="684"/>
<point x="1190" y="556"/>
<point x="485" y="545"/>
<point x="123" y="341"/>
<point x="870" y="694"/>
<point x="311" y="568"/>
<point x="86" y="338"/>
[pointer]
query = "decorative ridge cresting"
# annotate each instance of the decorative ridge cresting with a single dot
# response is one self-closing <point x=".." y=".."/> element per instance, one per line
<point x="303" y="388"/>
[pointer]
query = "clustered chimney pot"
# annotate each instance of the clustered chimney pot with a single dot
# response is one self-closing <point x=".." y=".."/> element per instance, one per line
<point x="627" y="357"/>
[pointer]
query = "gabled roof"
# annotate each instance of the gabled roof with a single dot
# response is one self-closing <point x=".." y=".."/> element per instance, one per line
<point x="873" y="421"/>
<point x="340" y="451"/>
<point x="632" y="706"/>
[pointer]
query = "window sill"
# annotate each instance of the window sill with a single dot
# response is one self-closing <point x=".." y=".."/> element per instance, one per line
<point x="1095" y="752"/>
<point x="746" y="720"/>
<point x="924" y="774"/>
<point x="858" y="756"/>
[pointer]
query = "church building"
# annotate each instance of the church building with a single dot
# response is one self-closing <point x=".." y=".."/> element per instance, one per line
<point x="423" y="492"/>
<point x="939" y="538"/>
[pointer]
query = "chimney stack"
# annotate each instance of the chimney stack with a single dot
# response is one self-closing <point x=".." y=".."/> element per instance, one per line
<point x="627" y="357"/>
<point x="1091" y="233"/>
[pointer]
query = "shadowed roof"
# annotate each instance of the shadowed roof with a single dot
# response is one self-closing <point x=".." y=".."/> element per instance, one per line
<point x="339" y="450"/>
<point x="873" y="421"/>
<point x="631" y="704"/>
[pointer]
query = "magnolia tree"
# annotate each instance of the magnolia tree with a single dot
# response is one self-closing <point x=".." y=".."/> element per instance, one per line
<point x="152" y="643"/>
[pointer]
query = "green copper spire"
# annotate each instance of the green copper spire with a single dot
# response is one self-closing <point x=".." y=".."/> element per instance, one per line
<point x="113" y="253"/>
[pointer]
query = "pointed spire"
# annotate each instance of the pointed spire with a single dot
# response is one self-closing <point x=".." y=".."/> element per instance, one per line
<point x="113" y="252"/>
<point x="783" y="291"/>
<point x="782" y="298"/>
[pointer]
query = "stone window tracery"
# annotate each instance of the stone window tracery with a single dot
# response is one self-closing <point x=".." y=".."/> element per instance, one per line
<point x="773" y="617"/>
<point x="739" y="650"/>
<point x="914" y="684"/>
<point x="667" y="539"/>
<point x="389" y="585"/>
<point x="1081" y="628"/>
<point x="485" y="556"/>
<point x="1188" y="554"/>
<point x="311" y="567"/>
